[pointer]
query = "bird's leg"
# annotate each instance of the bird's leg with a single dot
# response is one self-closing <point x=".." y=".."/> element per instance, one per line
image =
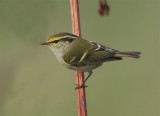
<point x="90" y="73"/>
<point x="83" y="84"/>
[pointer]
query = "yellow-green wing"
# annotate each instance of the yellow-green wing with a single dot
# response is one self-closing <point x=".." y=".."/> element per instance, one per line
<point x="100" y="54"/>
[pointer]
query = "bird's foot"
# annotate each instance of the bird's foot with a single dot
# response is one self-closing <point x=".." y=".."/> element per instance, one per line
<point x="80" y="86"/>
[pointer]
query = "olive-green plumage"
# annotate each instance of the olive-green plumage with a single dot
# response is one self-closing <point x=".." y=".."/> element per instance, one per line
<point x="79" y="54"/>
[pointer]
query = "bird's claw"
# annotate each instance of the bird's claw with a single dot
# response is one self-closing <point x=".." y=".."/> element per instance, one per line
<point x="80" y="86"/>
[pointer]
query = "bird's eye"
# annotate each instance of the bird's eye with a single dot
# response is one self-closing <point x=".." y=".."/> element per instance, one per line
<point x="55" y="41"/>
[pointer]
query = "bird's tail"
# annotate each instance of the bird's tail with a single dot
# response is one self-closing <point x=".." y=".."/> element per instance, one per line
<point x="132" y="54"/>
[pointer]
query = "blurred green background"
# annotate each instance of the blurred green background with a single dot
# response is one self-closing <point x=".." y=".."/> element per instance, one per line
<point x="33" y="83"/>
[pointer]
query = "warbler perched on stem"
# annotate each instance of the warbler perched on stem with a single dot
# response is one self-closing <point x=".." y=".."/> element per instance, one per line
<point x="82" y="55"/>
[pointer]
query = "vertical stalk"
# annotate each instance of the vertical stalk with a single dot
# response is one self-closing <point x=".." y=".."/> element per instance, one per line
<point x="81" y="95"/>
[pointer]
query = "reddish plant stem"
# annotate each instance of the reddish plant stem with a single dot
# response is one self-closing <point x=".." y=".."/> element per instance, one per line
<point x="81" y="95"/>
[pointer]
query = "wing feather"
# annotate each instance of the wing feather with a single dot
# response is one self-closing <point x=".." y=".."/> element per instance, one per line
<point x="100" y="53"/>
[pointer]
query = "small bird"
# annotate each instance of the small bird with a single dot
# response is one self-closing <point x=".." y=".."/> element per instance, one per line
<point x="79" y="54"/>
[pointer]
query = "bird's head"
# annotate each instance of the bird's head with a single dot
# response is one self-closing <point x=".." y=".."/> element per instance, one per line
<point x="60" y="40"/>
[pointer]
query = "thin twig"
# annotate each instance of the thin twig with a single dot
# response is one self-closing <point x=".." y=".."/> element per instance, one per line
<point x="81" y="95"/>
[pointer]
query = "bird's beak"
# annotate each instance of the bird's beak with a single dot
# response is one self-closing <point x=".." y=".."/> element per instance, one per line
<point x="45" y="43"/>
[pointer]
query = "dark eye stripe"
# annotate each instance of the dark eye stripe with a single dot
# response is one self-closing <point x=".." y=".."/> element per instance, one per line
<point x="55" y="41"/>
<point x="67" y="39"/>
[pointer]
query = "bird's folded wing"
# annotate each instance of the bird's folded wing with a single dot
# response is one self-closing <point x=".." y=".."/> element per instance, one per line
<point x="100" y="53"/>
